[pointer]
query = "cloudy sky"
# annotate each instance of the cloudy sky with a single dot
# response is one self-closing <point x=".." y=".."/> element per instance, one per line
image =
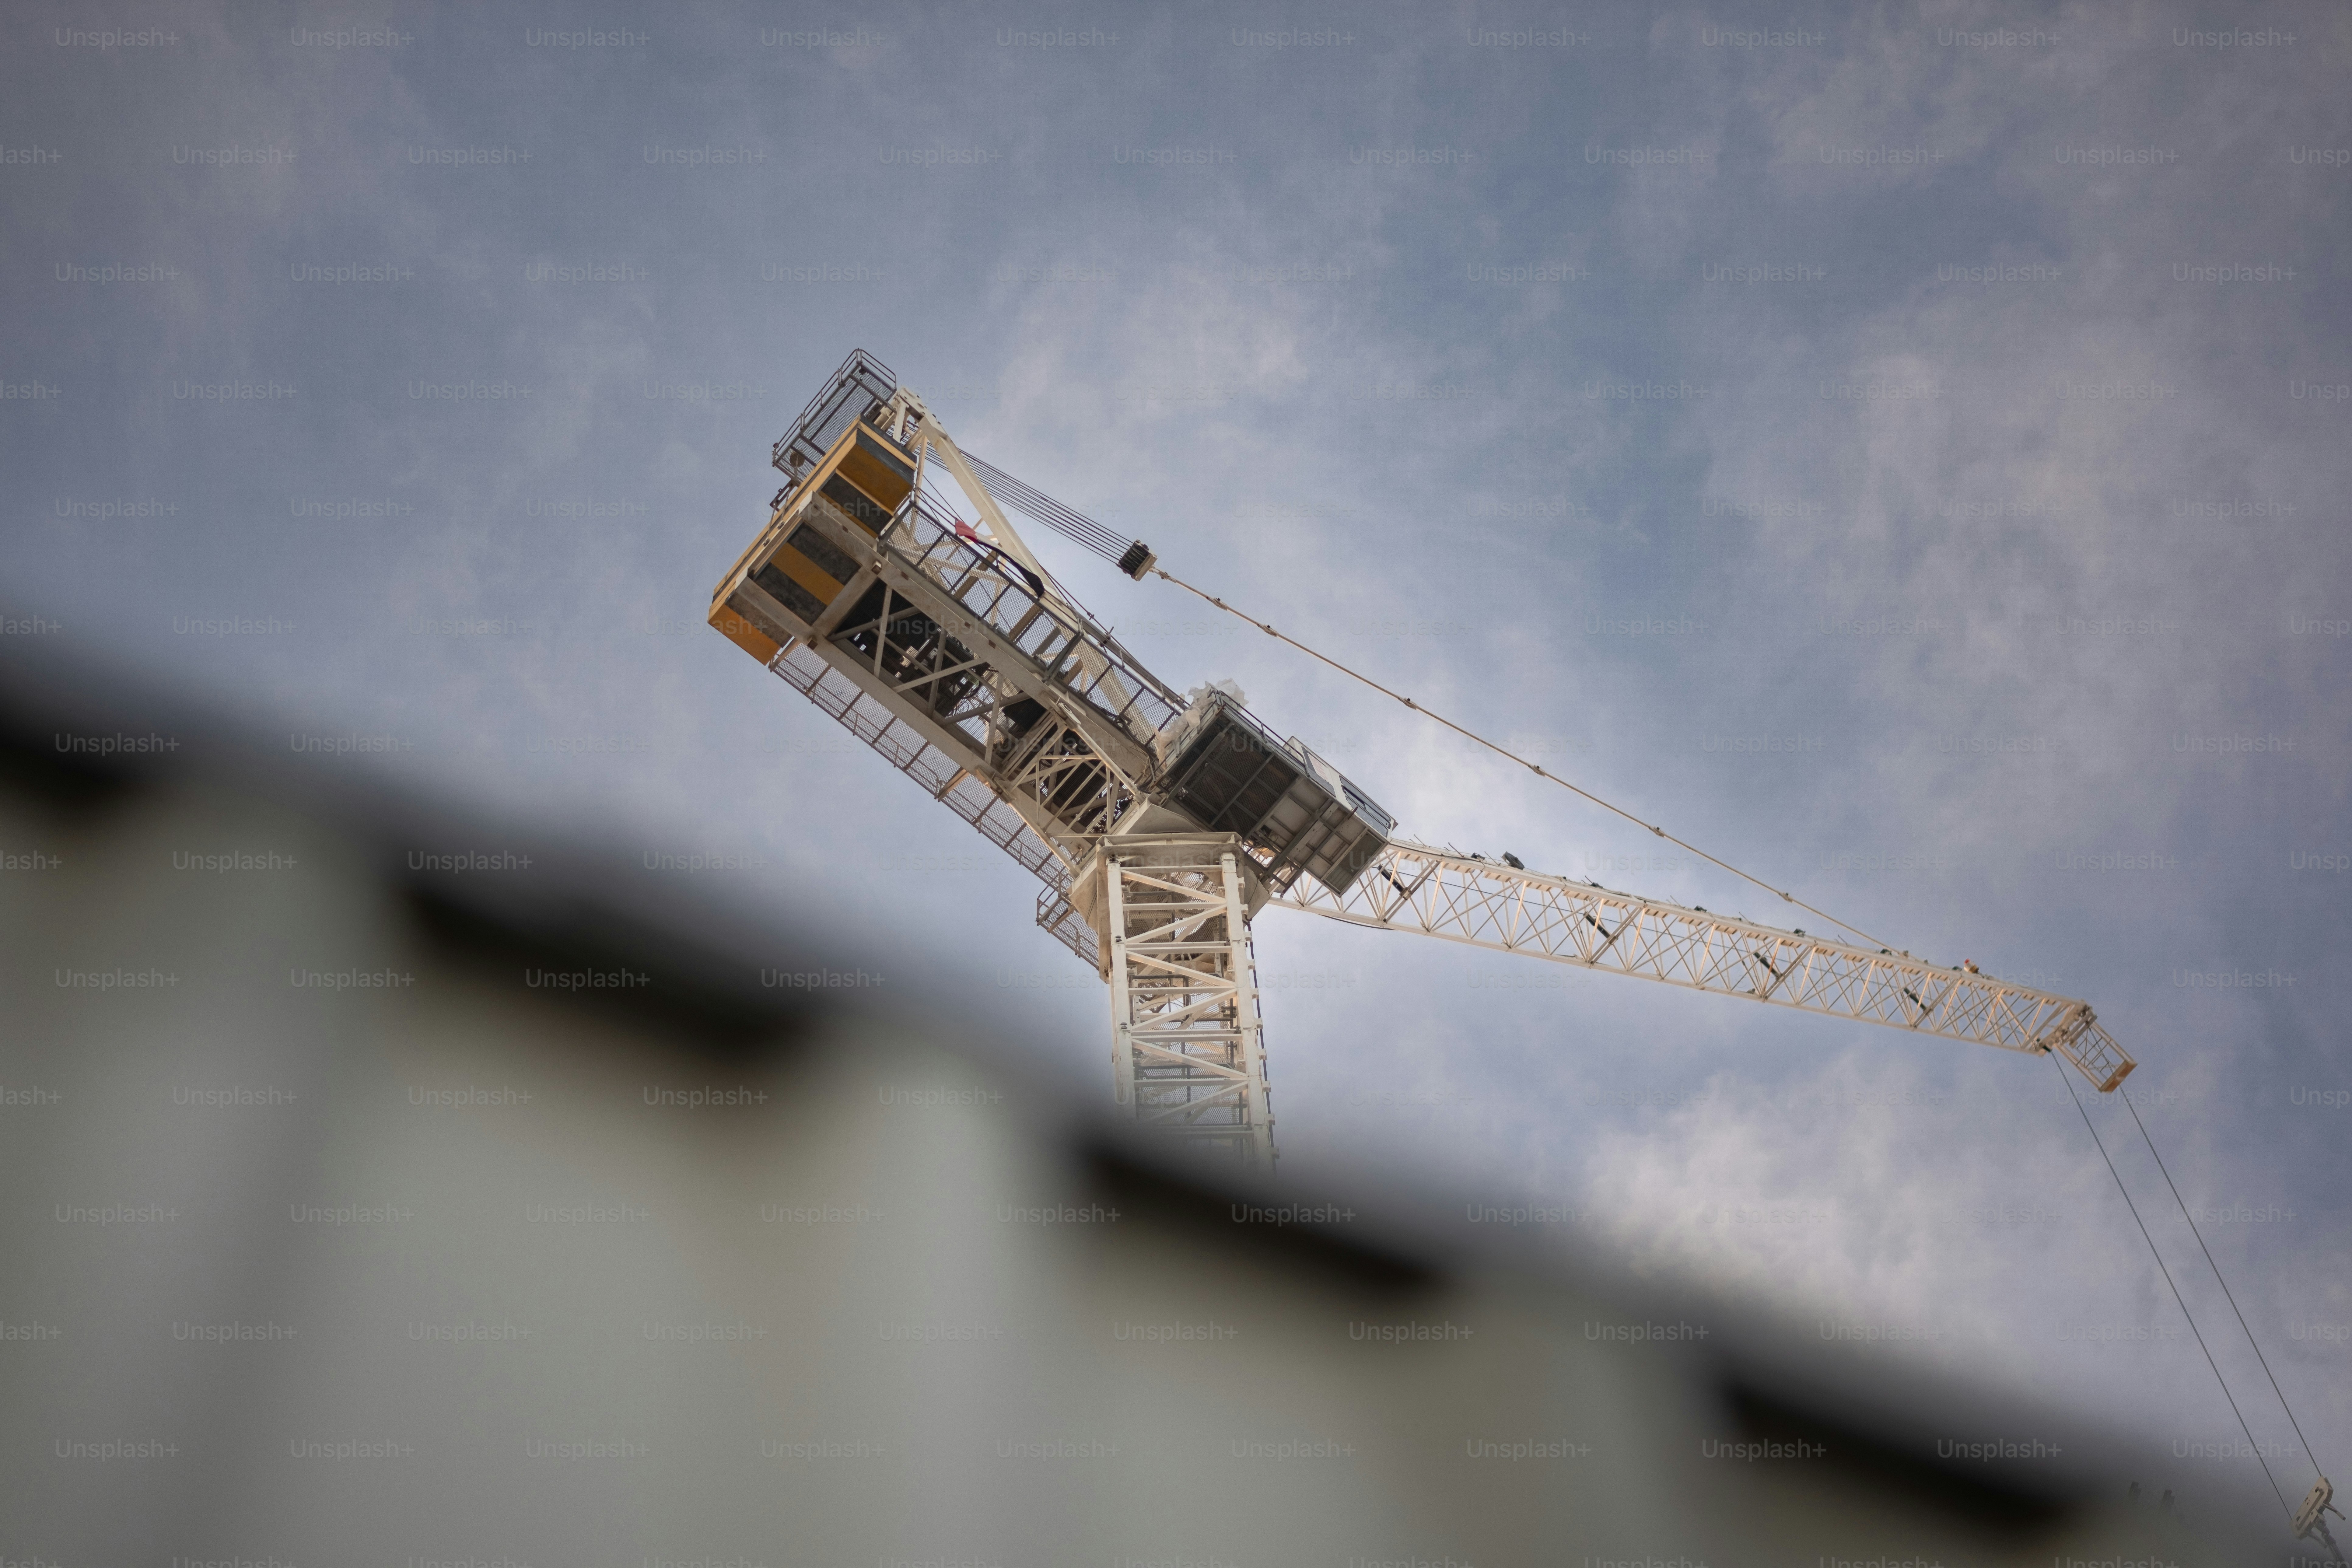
<point x="1899" y="448"/>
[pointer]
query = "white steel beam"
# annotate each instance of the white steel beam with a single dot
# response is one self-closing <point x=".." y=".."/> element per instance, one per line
<point x="1001" y="530"/>
<point x="934" y="435"/>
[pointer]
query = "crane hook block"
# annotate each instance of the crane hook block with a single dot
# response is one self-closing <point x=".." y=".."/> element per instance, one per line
<point x="2312" y="1517"/>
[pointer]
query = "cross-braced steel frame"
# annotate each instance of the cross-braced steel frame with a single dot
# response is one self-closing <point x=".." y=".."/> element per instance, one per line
<point x="945" y="779"/>
<point x="1187" y="1053"/>
<point x="1457" y="898"/>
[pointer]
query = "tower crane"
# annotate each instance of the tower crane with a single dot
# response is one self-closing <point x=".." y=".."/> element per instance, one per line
<point x="1161" y="825"/>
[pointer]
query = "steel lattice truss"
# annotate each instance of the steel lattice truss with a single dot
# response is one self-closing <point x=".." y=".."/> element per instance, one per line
<point x="1188" y="1055"/>
<point x="956" y="787"/>
<point x="1013" y="687"/>
<point x="1412" y="886"/>
<point x="1010" y="710"/>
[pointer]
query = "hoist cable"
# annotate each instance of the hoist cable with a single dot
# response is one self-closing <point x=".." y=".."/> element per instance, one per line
<point x="2161" y="1268"/>
<point x="2226" y="1293"/>
<point x="1086" y="531"/>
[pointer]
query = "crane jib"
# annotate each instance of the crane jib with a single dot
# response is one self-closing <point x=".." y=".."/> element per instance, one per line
<point x="1477" y="902"/>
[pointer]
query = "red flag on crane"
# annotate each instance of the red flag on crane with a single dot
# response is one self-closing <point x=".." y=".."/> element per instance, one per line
<point x="1029" y="579"/>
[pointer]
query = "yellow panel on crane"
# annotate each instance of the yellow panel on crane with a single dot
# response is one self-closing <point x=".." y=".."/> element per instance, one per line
<point x="866" y="476"/>
<point x="744" y="635"/>
<point x="871" y="463"/>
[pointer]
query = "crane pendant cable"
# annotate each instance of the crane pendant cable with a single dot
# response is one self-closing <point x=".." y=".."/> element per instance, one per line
<point x="1512" y="756"/>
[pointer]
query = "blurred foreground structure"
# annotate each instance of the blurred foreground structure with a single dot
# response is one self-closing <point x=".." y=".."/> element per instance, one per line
<point x="386" y="1185"/>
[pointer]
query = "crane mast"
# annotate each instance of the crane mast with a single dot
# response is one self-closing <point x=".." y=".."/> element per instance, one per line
<point x="1160" y="824"/>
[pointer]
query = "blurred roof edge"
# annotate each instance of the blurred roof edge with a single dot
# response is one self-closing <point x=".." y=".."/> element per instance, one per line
<point x="1764" y="1366"/>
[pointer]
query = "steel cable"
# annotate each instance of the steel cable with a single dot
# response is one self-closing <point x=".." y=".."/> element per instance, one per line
<point x="2226" y="1292"/>
<point x="2161" y="1268"/>
<point x="1532" y="767"/>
